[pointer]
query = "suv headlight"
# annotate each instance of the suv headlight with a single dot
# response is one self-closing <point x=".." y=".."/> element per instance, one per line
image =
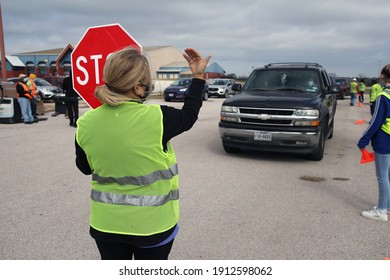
<point x="304" y="113"/>
<point x="182" y="89"/>
<point x="230" y="109"/>
<point x="310" y="117"/>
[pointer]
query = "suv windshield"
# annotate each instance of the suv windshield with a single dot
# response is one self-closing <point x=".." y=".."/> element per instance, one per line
<point x="294" y="80"/>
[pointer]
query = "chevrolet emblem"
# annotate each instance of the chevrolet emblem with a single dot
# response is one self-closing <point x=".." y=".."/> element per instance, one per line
<point x="264" y="117"/>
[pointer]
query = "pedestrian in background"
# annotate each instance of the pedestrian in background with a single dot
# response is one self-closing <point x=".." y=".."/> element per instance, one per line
<point x="378" y="132"/>
<point x="362" y="89"/>
<point x="71" y="100"/>
<point x="354" y="90"/>
<point x="33" y="89"/>
<point x="376" y="88"/>
<point x="125" y="145"/>
<point x="24" y="97"/>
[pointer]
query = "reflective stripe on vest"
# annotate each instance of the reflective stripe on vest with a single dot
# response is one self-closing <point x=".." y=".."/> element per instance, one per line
<point x="134" y="200"/>
<point x="386" y="126"/>
<point x="139" y="180"/>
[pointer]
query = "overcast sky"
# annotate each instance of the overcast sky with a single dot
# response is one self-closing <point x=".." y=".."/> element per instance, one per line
<point x="348" y="37"/>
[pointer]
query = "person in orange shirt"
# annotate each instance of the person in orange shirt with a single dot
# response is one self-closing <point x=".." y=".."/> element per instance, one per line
<point x="24" y="98"/>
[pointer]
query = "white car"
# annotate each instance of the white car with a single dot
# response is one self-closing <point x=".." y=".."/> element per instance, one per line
<point x="221" y="87"/>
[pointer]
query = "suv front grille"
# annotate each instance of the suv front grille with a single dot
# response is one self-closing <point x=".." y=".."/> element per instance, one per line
<point x="258" y="111"/>
<point x="266" y="116"/>
<point x="266" y="122"/>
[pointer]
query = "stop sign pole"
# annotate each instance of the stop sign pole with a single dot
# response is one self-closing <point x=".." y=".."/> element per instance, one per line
<point x="90" y="54"/>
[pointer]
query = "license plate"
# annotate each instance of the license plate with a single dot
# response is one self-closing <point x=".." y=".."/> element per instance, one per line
<point x="262" y="136"/>
<point x="171" y="95"/>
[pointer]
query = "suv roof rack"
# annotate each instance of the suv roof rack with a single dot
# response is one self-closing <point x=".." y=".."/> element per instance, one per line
<point x="306" y="64"/>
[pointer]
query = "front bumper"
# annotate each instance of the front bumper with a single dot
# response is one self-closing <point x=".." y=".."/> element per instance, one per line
<point x="282" y="141"/>
<point x="216" y="93"/>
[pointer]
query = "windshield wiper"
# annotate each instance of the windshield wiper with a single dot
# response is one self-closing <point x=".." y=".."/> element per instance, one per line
<point x="290" y="89"/>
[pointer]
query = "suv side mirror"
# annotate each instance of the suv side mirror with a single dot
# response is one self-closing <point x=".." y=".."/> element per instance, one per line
<point x="236" y="87"/>
<point x="334" y="89"/>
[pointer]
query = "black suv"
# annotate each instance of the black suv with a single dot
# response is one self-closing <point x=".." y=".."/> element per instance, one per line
<point x="282" y="107"/>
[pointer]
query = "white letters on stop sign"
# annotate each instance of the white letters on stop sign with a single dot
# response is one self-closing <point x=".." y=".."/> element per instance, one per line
<point x="82" y="59"/>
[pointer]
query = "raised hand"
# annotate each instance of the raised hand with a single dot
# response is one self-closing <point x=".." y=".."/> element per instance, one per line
<point x="196" y="62"/>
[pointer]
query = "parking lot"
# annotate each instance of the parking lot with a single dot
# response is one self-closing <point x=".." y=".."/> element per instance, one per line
<point x="251" y="206"/>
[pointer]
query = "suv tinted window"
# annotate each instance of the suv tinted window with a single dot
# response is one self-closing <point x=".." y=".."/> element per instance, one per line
<point x="300" y="80"/>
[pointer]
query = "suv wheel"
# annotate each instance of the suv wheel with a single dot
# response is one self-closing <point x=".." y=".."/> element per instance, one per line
<point x="319" y="153"/>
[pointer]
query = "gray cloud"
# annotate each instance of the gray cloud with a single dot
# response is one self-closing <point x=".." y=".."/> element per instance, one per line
<point x="347" y="37"/>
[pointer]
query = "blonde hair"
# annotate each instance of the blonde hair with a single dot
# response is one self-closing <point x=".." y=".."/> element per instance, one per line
<point x="122" y="71"/>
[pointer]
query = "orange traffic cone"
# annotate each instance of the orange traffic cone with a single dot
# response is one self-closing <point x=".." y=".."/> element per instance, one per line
<point x="360" y="122"/>
<point x="360" y="104"/>
<point x="366" y="156"/>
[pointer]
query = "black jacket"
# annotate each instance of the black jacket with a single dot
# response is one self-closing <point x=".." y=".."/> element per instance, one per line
<point x="67" y="87"/>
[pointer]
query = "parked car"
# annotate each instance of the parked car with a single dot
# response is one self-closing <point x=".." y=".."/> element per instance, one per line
<point x="221" y="87"/>
<point x="282" y="107"/>
<point x="344" y="84"/>
<point x="179" y="89"/>
<point x="46" y="91"/>
<point x="55" y="80"/>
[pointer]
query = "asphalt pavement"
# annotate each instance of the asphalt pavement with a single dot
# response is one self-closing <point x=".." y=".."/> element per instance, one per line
<point x="253" y="206"/>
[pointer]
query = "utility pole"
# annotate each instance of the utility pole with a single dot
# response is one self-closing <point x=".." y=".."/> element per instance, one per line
<point x="2" y="47"/>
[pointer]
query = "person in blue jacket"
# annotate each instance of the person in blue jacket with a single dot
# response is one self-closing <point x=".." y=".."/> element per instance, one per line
<point x="378" y="132"/>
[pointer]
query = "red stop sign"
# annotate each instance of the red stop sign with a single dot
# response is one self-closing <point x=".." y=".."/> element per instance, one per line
<point x="89" y="57"/>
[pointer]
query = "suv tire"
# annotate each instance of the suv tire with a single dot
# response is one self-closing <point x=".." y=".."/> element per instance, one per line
<point x="319" y="153"/>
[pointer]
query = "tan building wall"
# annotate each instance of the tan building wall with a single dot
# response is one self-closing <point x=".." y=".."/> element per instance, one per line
<point x="161" y="56"/>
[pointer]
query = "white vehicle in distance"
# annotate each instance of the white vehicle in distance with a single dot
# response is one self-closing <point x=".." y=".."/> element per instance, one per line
<point x="221" y="87"/>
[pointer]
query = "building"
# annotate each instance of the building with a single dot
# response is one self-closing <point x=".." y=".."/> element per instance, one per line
<point x="166" y="63"/>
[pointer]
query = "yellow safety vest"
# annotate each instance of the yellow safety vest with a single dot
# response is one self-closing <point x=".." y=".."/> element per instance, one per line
<point x="353" y="88"/>
<point x="362" y="87"/>
<point x="375" y="90"/>
<point x="134" y="182"/>
<point x="386" y="126"/>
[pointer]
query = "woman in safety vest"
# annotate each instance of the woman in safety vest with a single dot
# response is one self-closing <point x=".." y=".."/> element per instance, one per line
<point x="378" y="133"/>
<point x="125" y="145"/>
